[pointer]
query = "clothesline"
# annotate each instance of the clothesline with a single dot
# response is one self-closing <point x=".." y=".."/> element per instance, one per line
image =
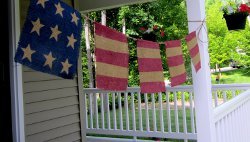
<point x="199" y="28"/>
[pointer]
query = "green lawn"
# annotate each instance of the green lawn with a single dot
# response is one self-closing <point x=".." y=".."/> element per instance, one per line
<point x="235" y="76"/>
<point x="188" y="119"/>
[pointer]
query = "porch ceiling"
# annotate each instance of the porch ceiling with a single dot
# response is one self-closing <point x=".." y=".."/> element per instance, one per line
<point x="94" y="5"/>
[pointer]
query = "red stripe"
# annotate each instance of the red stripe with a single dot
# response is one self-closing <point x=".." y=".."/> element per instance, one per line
<point x="173" y="43"/>
<point x="111" y="83"/>
<point x="177" y="80"/>
<point x="110" y="57"/>
<point x="147" y="65"/>
<point x="197" y="67"/>
<point x="175" y="60"/>
<point x="109" y="33"/>
<point x="147" y="44"/>
<point x="190" y="36"/>
<point x="152" y="87"/>
<point x="194" y="51"/>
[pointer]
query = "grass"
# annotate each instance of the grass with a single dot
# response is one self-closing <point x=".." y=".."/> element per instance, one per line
<point x="157" y="114"/>
<point x="235" y="76"/>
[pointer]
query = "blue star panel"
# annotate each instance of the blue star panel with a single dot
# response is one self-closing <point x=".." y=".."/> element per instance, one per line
<point x="50" y="38"/>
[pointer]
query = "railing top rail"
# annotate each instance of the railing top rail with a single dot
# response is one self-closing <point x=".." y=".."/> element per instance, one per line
<point x="230" y="86"/>
<point x="187" y="88"/>
<point x="222" y="110"/>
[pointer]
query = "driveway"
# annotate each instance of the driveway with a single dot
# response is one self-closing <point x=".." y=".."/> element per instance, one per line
<point x="225" y="69"/>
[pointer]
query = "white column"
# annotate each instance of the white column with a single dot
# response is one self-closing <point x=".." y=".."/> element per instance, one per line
<point x="201" y="80"/>
<point x="17" y="106"/>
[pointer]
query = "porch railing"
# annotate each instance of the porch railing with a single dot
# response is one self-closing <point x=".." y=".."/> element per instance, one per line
<point x="133" y="115"/>
<point x="225" y="92"/>
<point x="232" y="119"/>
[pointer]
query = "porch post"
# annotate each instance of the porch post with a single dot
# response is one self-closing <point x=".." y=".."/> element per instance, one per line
<point x="16" y="80"/>
<point x="201" y="80"/>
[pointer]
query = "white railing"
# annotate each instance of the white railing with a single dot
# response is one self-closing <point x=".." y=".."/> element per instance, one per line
<point x="160" y="115"/>
<point x="133" y="115"/>
<point x="232" y="119"/>
<point x="225" y="92"/>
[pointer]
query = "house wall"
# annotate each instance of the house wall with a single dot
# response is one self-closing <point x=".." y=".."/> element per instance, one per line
<point x="51" y="104"/>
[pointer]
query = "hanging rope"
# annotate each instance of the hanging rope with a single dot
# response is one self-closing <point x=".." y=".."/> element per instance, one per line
<point x="199" y="29"/>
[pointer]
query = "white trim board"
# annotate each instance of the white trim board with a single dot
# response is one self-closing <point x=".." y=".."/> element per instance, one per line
<point x="16" y="75"/>
<point x="95" y="5"/>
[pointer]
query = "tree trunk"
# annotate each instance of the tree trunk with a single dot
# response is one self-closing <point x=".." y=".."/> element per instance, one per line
<point x="104" y="18"/>
<point x="91" y="78"/>
<point x="124" y="26"/>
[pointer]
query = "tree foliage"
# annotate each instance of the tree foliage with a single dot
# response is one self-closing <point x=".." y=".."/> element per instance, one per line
<point x="169" y="16"/>
<point x="224" y="45"/>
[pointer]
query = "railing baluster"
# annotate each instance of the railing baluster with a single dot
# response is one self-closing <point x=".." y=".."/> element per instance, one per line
<point x="233" y="93"/>
<point x="114" y="111"/>
<point x="234" y="125"/>
<point x="226" y="130"/>
<point x="248" y="117"/>
<point x="86" y="110"/>
<point x="96" y="112"/>
<point x="220" y="131"/>
<point x="133" y="111"/>
<point x="120" y="111"/>
<point x="102" y="111"/>
<point x="176" y="113"/>
<point x="216" y="99"/>
<point x="140" y="112"/>
<point x="223" y="131"/>
<point x="241" y="121"/>
<point x="238" y="126"/>
<point x="146" y="107"/>
<point x="126" y="111"/>
<point x="161" y="112"/>
<point x="245" y="112"/>
<point x="169" y="113"/>
<point x="90" y="110"/>
<point x="230" y="127"/>
<point x="184" y="114"/>
<point x="192" y="112"/>
<point x="108" y="111"/>
<point x="224" y="96"/>
<point x="216" y="132"/>
<point x="153" y="112"/>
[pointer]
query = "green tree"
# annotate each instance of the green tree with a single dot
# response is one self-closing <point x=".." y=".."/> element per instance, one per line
<point x="169" y="16"/>
<point x="224" y="45"/>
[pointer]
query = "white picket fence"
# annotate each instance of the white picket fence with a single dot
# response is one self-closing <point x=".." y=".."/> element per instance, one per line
<point x="131" y="115"/>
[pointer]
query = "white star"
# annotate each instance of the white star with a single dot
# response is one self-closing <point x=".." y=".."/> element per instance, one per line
<point x="74" y="18"/>
<point x="42" y="2"/>
<point x="72" y="41"/>
<point x="49" y="60"/>
<point x="55" y="32"/>
<point x="36" y="26"/>
<point x="66" y="65"/>
<point x="59" y="9"/>
<point x="27" y="53"/>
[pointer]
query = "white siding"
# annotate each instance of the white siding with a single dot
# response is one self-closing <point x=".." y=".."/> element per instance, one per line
<point x="51" y="106"/>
